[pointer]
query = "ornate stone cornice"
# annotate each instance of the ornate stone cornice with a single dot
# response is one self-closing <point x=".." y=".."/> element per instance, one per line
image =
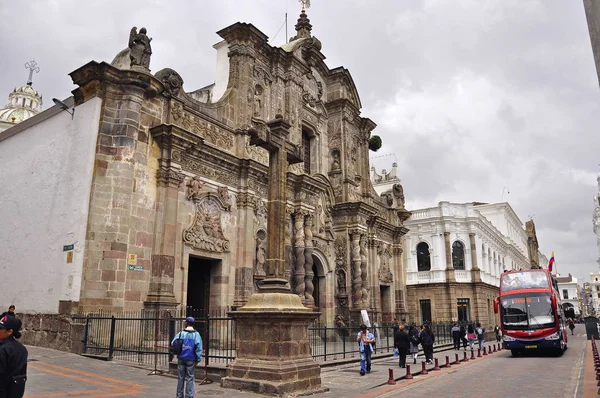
<point x="92" y="77"/>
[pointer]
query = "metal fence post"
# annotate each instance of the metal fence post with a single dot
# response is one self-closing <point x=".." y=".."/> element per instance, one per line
<point x="324" y="343"/>
<point x="207" y="345"/>
<point x="85" y="334"/>
<point x="111" y="345"/>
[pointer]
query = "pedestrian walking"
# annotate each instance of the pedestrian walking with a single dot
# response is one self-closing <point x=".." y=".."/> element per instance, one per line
<point x="571" y="326"/>
<point x="187" y="344"/>
<point x="402" y="344"/>
<point x="471" y="336"/>
<point x="456" y="336"/>
<point x="395" y="326"/>
<point x="480" y="335"/>
<point x="13" y="359"/>
<point x="497" y="332"/>
<point x="365" y="340"/>
<point x="413" y="334"/>
<point x="10" y="312"/>
<point x="427" y="339"/>
<point x="463" y="335"/>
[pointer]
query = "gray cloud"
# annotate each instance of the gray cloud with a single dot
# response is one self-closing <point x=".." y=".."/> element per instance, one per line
<point x="470" y="96"/>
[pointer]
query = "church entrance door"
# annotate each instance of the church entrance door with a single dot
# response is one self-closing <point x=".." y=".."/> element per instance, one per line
<point x="198" y="286"/>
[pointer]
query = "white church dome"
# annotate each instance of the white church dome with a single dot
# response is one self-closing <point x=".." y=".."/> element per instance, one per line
<point x="23" y="102"/>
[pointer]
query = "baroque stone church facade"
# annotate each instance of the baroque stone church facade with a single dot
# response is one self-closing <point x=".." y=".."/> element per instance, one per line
<point x="178" y="196"/>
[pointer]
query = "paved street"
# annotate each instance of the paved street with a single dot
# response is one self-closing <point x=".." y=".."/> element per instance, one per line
<point x="57" y="374"/>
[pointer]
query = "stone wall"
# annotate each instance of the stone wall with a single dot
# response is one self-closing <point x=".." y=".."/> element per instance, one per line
<point x="55" y="331"/>
<point x="444" y="297"/>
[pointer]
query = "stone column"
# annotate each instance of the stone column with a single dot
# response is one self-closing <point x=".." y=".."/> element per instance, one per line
<point x="449" y="267"/>
<point x="308" y="262"/>
<point x="364" y="272"/>
<point x="299" y="271"/>
<point x="272" y="346"/>
<point x="475" y="272"/>
<point x="356" y="270"/>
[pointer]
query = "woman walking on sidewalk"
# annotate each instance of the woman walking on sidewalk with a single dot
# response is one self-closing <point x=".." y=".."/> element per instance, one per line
<point x="402" y="343"/>
<point x="471" y="336"/>
<point x="413" y="333"/>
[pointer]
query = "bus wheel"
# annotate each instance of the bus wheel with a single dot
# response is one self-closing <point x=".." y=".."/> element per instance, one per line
<point x="514" y="352"/>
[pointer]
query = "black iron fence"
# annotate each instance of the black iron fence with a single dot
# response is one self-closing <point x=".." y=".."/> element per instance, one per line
<point x="333" y="343"/>
<point x="144" y="337"/>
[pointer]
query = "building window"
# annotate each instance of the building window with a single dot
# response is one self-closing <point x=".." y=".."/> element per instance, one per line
<point x="458" y="255"/>
<point x="462" y="306"/>
<point x="425" y="310"/>
<point x="306" y="151"/>
<point x="423" y="259"/>
<point x="565" y="294"/>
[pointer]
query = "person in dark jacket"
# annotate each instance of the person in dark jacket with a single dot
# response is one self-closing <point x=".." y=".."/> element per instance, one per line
<point x="463" y="336"/>
<point x="456" y="336"/>
<point x="10" y="312"/>
<point x="427" y="340"/>
<point x="413" y="334"/>
<point x="13" y="359"/>
<point x="402" y="343"/>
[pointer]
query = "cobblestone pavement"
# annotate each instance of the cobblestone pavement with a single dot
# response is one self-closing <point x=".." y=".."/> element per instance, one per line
<point x="58" y="374"/>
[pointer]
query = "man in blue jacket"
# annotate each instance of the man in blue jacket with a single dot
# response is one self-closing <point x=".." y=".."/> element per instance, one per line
<point x="191" y="353"/>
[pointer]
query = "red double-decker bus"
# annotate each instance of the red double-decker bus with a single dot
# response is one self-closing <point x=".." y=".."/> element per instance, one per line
<point x="531" y="315"/>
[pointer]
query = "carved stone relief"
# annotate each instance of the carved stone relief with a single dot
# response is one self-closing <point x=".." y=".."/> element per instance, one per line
<point x="385" y="273"/>
<point x="172" y="81"/>
<point x="194" y="187"/>
<point x="299" y="271"/>
<point x="215" y="135"/>
<point x="206" y="232"/>
<point x="356" y="270"/>
<point x="260" y="212"/>
<point x="363" y="271"/>
<point x="223" y="193"/>
<point x="308" y="262"/>
<point x="189" y="163"/>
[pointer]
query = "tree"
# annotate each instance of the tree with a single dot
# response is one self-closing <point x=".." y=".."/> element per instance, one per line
<point x="375" y="143"/>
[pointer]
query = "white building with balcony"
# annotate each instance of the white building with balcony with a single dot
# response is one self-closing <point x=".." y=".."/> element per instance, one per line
<point x="568" y="288"/>
<point x="455" y="253"/>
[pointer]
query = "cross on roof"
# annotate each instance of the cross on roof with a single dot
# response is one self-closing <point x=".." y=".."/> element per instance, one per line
<point x="33" y="67"/>
<point x="305" y="4"/>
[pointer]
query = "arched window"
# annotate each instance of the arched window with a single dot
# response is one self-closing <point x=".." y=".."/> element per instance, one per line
<point x="423" y="259"/>
<point x="458" y="255"/>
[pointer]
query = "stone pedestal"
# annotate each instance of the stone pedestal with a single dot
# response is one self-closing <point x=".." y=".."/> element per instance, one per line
<point x="273" y="350"/>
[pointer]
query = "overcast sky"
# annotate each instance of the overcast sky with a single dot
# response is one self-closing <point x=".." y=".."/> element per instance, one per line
<point x="470" y="96"/>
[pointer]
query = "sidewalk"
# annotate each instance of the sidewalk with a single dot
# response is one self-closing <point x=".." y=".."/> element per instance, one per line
<point x="58" y="374"/>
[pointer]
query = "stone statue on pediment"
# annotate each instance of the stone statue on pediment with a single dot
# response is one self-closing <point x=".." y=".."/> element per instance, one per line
<point x="139" y="44"/>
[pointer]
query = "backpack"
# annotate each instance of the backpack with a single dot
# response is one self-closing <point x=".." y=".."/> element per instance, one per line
<point x="185" y="346"/>
<point x="177" y="346"/>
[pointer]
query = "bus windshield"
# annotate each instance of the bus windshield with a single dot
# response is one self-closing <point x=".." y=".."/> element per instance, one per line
<point x="524" y="280"/>
<point x="528" y="311"/>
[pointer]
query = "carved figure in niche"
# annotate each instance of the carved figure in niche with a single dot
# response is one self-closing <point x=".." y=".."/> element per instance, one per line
<point x="385" y="274"/>
<point x="258" y="102"/>
<point x="398" y="193"/>
<point x="194" y="187"/>
<point x="335" y="155"/>
<point x="363" y="270"/>
<point x="225" y="197"/>
<point x="341" y="282"/>
<point x="387" y="198"/>
<point x="139" y="44"/>
<point x="261" y="258"/>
